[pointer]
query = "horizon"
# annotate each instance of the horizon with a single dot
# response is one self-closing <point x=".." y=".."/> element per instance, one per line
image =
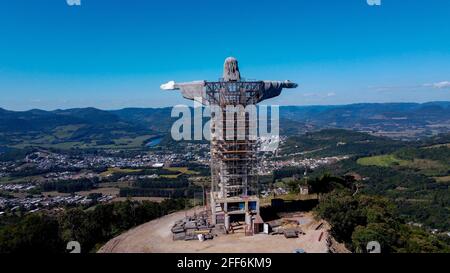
<point x="115" y="55"/>
<point x="243" y="129"/>
<point x="281" y="106"/>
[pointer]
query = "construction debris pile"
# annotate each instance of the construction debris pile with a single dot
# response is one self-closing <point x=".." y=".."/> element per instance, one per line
<point x="288" y="228"/>
<point x="195" y="227"/>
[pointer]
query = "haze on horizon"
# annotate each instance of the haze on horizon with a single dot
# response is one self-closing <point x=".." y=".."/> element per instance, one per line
<point x="115" y="54"/>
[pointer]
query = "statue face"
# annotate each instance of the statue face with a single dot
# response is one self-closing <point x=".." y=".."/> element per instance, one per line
<point x="231" y="70"/>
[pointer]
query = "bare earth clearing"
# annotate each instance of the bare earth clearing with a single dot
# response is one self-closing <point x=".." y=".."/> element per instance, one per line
<point x="156" y="237"/>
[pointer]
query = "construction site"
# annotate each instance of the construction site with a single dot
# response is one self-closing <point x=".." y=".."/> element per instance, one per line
<point x="231" y="217"/>
<point x="233" y="194"/>
<point x="290" y="225"/>
<point x="157" y="237"/>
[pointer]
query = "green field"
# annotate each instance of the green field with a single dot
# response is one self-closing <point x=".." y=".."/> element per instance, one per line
<point x="381" y="161"/>
<point x="424" y="166"/>
<point x="65" y="132"/>
<point x="20" y="180"/>
<point x="129" y="142"/>
<point x="443" y="179"/>
<point x="181" y="170"/>
<point x="57" y="143"/>
<point x="438" y="146"/>
<point x="119" y="170"/>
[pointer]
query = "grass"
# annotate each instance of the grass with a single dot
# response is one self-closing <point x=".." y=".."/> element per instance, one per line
<point x="121" y="184"/>
<point x="183" y="170"/>
<point x="103" y="190"/>
<point x="62" y="145"/>
<point x="180" y="170"/>
<point x="5" y="180"/>
<point x="132" y="142"/>
<point x="424" y="166"/>
<point x="442" y="179"/>
<point x="119" y="170"/>
<point x="64" y="132"/>
<point x="170" y="176"/>
<point x="427" y="167"/>
<point x="20" y="180"/>
<point x="54" y="193"/>
<point x="380" y="161"/>
<point x="438" y="146"/>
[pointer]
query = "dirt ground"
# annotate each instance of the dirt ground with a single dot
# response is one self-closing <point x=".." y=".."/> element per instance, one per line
<point x="156" y="237"/>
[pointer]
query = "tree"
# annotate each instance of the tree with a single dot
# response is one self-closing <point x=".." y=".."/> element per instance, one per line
<point x="77" y="225"/>
<point x="293" y="186"/>
<point x="342" y="212"/>
<point x="379" y="232"/>
<point x="36" y="233"/>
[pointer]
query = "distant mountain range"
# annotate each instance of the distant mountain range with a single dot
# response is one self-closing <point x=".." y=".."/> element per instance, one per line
<point x="85" y="127"/>
<point x="90" y="127"/>
<point x="395" y="120"/>
<point x="371" y="113"/>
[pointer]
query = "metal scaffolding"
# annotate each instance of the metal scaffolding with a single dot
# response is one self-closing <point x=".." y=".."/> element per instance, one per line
<point x="234" y="175"/>
<point x="233" y="149"/>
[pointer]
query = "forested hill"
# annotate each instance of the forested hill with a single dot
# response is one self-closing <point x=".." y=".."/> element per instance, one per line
<point x="132" y="127"/>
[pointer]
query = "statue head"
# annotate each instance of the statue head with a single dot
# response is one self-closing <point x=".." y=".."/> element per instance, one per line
<point x="231" y="70"/>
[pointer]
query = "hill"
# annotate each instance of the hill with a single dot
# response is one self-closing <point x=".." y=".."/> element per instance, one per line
<point x="395" y="120"/>
<point x="335" y="142"/>
<point x="82" y="128"/>
<point x="415" y="177"/>
<point x="132" y="127"/>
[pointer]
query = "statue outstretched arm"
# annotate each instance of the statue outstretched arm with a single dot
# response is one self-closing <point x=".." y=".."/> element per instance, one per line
<point x="190" y="90"/>
<point x="273" y="88"/>
<point x="289" y="84"/>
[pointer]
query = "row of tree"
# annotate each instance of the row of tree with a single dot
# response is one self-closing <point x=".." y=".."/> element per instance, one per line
<point x="357" y="220"/>
<point x="69" y="186"/>
<point x="189" y="192"/>
<point x="49" y="233"/>
<point x="178" y="182"/>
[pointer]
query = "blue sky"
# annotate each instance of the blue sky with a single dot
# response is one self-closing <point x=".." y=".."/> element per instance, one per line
<point x="115" y="53"/>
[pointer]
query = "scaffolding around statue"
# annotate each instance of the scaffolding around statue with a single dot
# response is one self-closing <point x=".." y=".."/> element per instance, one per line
<point x="234" y="174"/>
